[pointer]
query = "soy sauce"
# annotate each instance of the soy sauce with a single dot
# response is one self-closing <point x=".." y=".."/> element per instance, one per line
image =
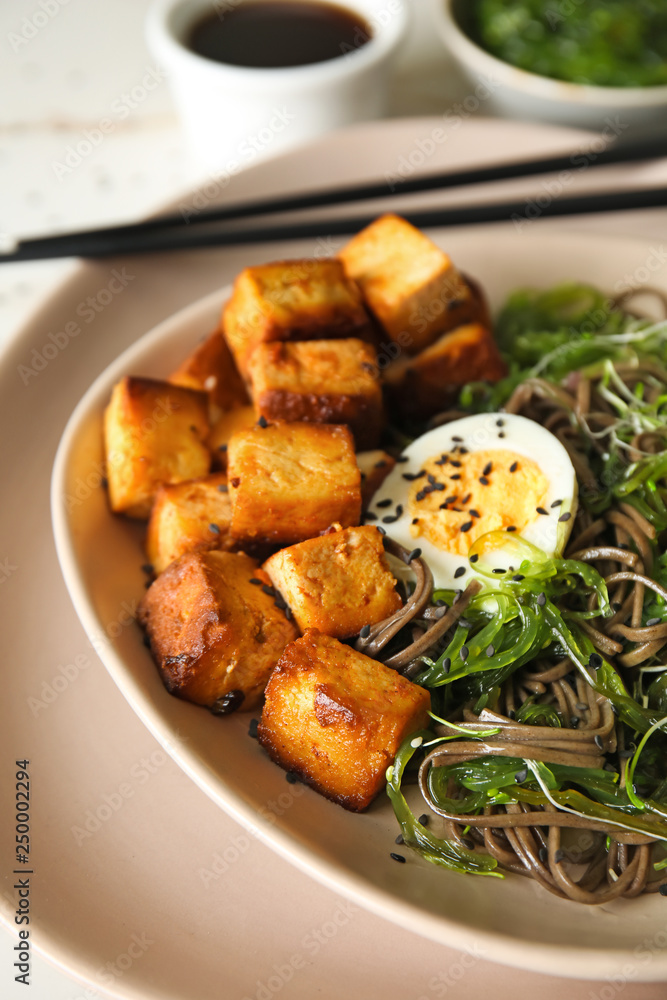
<point x="278" y="33"/>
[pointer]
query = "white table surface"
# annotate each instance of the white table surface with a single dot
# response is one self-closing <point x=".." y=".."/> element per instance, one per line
<point x="59" y="75"/>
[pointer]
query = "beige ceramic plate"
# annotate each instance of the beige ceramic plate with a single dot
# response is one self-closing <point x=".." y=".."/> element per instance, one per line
<point x="145" y="887"/>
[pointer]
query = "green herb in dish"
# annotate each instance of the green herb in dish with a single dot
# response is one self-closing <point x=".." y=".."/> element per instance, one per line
<point x="608" y="43"/>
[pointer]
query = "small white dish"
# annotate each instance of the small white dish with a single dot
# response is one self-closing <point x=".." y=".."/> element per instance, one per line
<point x="236" y="114"/>
<point x="515" y="93"/>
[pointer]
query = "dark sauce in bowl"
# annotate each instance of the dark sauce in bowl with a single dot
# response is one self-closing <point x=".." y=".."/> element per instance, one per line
<point x="278" y="33"/>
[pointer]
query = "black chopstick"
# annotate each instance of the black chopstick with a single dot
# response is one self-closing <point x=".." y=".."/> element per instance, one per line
<point x="183" y="238"/>
<point x="151" y="235"/>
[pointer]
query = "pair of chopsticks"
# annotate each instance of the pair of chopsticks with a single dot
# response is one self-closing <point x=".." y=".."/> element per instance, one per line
<point x="211" y="228"/>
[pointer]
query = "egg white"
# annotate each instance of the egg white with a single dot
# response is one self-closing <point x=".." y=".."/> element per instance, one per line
<point x="481" y="432"/>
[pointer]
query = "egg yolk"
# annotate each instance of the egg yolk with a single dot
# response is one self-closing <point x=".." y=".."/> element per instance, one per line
<point x="458" y="496"/>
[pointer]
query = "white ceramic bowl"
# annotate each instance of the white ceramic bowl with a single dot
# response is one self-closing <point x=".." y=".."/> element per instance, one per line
<point x="233" y="115"/>
<point x="506" y="90"/>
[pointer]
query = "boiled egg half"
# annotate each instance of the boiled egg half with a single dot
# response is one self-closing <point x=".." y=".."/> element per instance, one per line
<point x="483" y="473"/>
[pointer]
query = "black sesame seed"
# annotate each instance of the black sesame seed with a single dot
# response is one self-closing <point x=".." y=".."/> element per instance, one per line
<point x="457" y="439"/>
<point x="365" y="632"/>
<point x="474" y="558"/>
<point x="390" y="518"/>
<point x="542" y="599"/>
<point x="459" y="572"/>
<point x="446" y="663"/>
<point x="228" y="703"/>
<point x="574" y="721"/>
<point x="559" y="856"/>
<point x="514" y="466"/>
<point x="411" y="476"/>
<point x="442" y="460"/>
<point x="466" y="498"/>
<point x="498" y="570"/>
<point x="424" y="819"/>
<point x="370" y="515"/>
<point x="581" y="706"/>
<point x="384" y="503"/>
<point x="543" y="854"/>
<point x="222" y="447"/>
<point x="511" y="528"/>
<point x="397" y="857"/>
<point x="253" y="728"/>
<point x="595" y="660"/>
<point x="502" y="434"/>
<point x="541" y="510"/>
<point x="467" y="526"/>
<point x="223" y="488"/>
<point x="521" y="775"/>
<point x="484" y="481"/>
<point x="464" y="653"/>
<point x="456" y="475"/>
<point x="438" y="487"/>
<point x="255" y="581"/>
<point x="381" y="464"/>
<point x="399" y="839"/>
<point x="415" y="520"/>
<point x="487" y="468"/>
<point x="463" y="451"/>
<point x="431" y="478"/>
<point x="565" y="517"/>
<point x="291" y="777"/>
<point x="663" y="889"/>
<point x="268" y="590"/>
<point x="518" y="577"/>
<point x="653" y="621"/>
<point x="280" y="602"/>
<point x="449" y="500"/>
<point x="148" y="569"/>
<point x="440" y="603"/>
<point x="500" y="423"/>
<point x="262" y="422"/>
<point x="457" y="465"/>
<point x="556" y="503"/>
<point x="402" y="458"/>
<point x="381" y="530"/>
<point x="215" y="528"/>
<point x="490" y="650"/>
<point x="415" y="554"/>
<point x="598" y="742"/>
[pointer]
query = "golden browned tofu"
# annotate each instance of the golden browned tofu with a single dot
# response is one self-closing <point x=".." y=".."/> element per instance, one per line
<point x="154" y="433"/>
<point x="323" y="381"/>
<point x="211" y="369"/>
<point x="336" y="583"/>
<point x="421" y="386"/>
<point x="408" y="283"/>
<point x="187" y="517"/>
<point x="374" y="467"/>
<point x="241" y="418"/>
<point x="289" y="482"/>
<point x="336" y="718"/>
<point x="214" y="635"/>
<point x="306" y="299"/>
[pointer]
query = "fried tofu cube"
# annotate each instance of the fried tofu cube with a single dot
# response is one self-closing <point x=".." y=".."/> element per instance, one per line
<point x="336" y="718"/>
<point x="289" y="482"/>
<point x="211" y="369"/>
<point x="187" y="517"/>
<point x="374" y="467"/>
<point x="336" y="583"/>
<point x="409" y="284"/>
<point x="214" y="635"/>
<point x="422" y="386"/>
<point x="306" y="299"/>
<point x="241" y="418"/>
<point x="154" y="433"/>
<point x="323" y="381"/>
